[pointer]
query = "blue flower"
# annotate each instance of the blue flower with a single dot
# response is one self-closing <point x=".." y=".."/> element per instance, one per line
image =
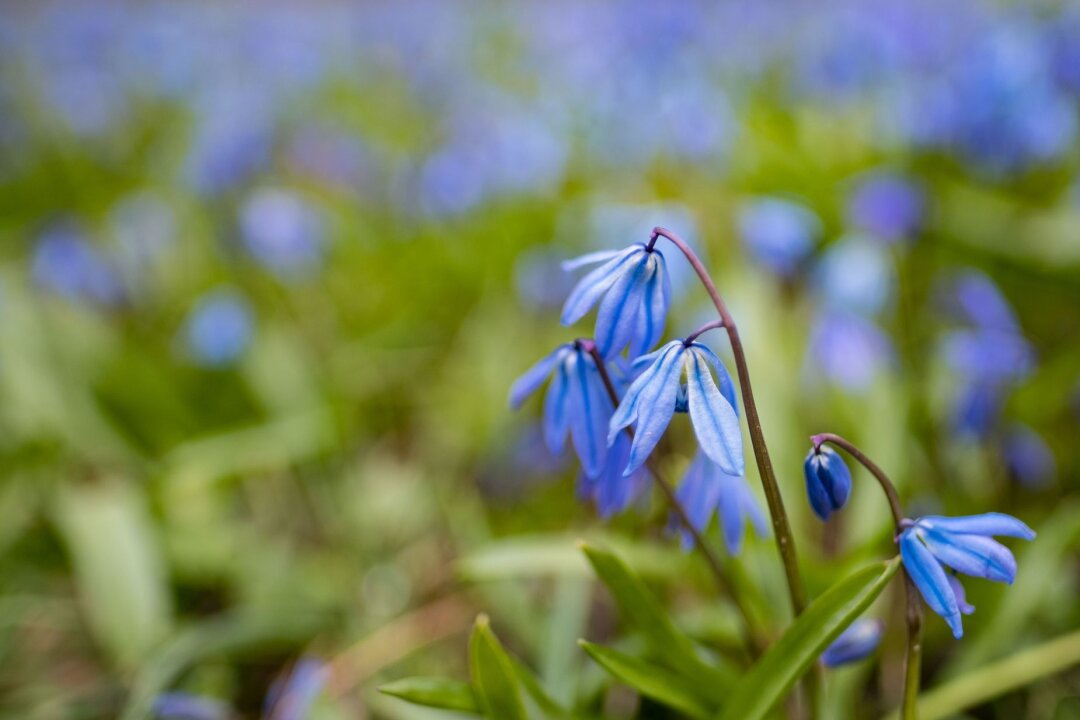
<point x="576" y="403"/>
<point x="889" y="207"/>
<point x="219" y="328"/>
<point x="291" y="698"/>
<point x="828" y="481"/>
<point x="635" y="291"/>
<point x="848" y="349"/>
<point x="780" y="234"/>
<point x="855" y="275"/>
<point x="857" y="642"/>
<point x="609" y="491"/>
<point x="707" y="489"/>
<point x="282" y="231"/>
<point x="1029" y="459"/>
<point x="66" y="263"/>
<point x="650" y="402"/>
<point x="965" y="544"/>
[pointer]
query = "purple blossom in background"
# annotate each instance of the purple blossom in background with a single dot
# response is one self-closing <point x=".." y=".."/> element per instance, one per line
<point x="282" y="231"/>
<point x="291" y="698"/>
<point x="232" y="143"/>
<point x="780" y="234"/>
<point x="855" y="275"/>
<point x="888" y="206"/>
<point x="706" y="490"/>
<point x="848" y="349"/>
<point x="976" y="409"/>
<point x="219" y="328"/>
<point x="930" y="544"/>
<point x="856" y="643"/>
<point x="1029" y="459"/>
<point x="66" y="263"/>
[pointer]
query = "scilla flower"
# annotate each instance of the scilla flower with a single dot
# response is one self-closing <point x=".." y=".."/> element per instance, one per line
<point x="706" y="489"/>
<point x="828" y="481"/>
<point x="609" y="491"/>
<point x="650" y="402"/>
<point x="576" y="403"/>
<point x="857" y="642"/>
<point x="636" y="290"/>
<point x="966" y="545"/>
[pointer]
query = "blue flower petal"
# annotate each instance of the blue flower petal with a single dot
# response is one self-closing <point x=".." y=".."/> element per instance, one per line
<point x="617" y="318"/>
<point x="556" y="411"/>
<point x="730" y="509"/>
<point x="652" y="314"/>
<point x="591" y="287"/>
<point x="961" y="595"/>
<point x="860" y="639"/>
<point x="590" y="410"/>
<point x="985" y="524"/>
<point x="726" y="384"/>
<point x="816" y="487"/>
<point x="612" y="492"/>
<point x="698" y="494"/>
<point x="588" y="259"/>
<point x="627" y="412"/>
<point x="975" y="555"/>
<point x="715" y="422"/>
<point x="655" y="406"/>
<point x="931" y="580"/>
<point x="534" y="377"/>
<point x="641" y="362"/>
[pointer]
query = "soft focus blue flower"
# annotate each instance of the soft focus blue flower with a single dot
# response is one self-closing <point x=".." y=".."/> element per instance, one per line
<point x="281" y="230"/>
<point x="887" y="206"/>
<point x="974" y="298"/>
<point x="233" y="140"/>
<point x="855" y="274"/>
<point x="66" y="263"/>
<point x="706" y="489"/>
<point x="848" y="349"/>
<point x="828" y="481"/>
<point x="292" y="697"/>
<point x="931" y="543"/>
<point x="609" y="491"/>
<point x="976" y="409"/>
<point x="576" y="403"/>
<point x="219" y="328"/>
<point x="780" y="234"/>
<point x="854" y="644"/>
<point x="633" y="289"/>
<point x="989" y="355"/>
<point x="650" y="403"/>
<point x="186" y="706"/>
<point x="1029" y="459"/>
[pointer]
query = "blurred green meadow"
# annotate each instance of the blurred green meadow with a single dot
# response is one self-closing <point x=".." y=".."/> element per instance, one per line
<point x="268" y="271"/>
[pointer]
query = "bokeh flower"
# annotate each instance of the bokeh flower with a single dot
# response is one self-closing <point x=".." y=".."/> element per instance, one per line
<point x="219" y="328"/>
<point x="706" y="490"/>
<point x="779" y="233"/>
<point x="856" y="643"/>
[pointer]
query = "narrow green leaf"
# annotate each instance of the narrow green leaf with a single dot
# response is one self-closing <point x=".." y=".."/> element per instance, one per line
<point x="546" y="704"/>
<point x="118" y="566"/>
<point x="493" y="674"/>
<point x="434" y="692"/>
<point x="650" y="680"/>
<point x="803" y="642"/>
<point x="996" y="679"/>
<point x="645" y="614"/>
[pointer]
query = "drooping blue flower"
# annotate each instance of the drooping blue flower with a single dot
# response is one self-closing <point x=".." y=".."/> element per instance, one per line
<point x="930" y="544"/>
<point x="634" y="291"/>
<point x="706" y="490"/>
<point x="609" y="491"/>
<point x="651" y="401"/>
<point x="828" y="481"/>
<point x="1028" y="458"/>
<point x="291" y="698"/>
<point x="282" y="231"/>
<point x="887" y="206"/>
<point x="576" y="403"/>
<point x="779" y="233"/>
<point x="854" y="644"/>
<point x="186" y="706"/>
<point x="219" y="328"/>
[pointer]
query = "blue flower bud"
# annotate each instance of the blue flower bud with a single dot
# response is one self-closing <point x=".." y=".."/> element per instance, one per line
<point x="828" y="481"/>
<point x="854" y="644"/>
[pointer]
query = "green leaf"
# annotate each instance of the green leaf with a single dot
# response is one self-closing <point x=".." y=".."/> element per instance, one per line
<point x="803" y="642"/>
<point x="493" y="674"/>
<point x="434" y="692"/>
<point x="546" y="704"/>
<point x="650" y="680"/>
<point x="118" y="567"/>
<point x="644" y="613"/>
<point x="996" y="679"/>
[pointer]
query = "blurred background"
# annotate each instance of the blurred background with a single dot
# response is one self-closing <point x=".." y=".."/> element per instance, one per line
<point x="267" y="271"/>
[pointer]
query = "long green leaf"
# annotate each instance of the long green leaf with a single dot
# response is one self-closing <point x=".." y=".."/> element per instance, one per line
<point x="493" y="674"/>
<point x="655" y="682"/>
<point x="803" y="642"/>
<point x="996" y="679"/>
<point x="645" y="614"/>
<point x="434" y="692"/>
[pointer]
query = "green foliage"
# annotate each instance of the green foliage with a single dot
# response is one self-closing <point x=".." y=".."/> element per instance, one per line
<point x="435" y="692"/>
<point x="650" y="680"/>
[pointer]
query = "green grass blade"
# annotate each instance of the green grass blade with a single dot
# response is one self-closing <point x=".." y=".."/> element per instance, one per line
<point x="434" y="692"/>
<point x="655" y="682"/>
<point x="493" y="675"/>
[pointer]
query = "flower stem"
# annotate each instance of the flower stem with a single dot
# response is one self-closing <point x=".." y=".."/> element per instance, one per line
<point x="754" y="635"/>
<point x="913" y="658"/>
<point x="781" y="527"/>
